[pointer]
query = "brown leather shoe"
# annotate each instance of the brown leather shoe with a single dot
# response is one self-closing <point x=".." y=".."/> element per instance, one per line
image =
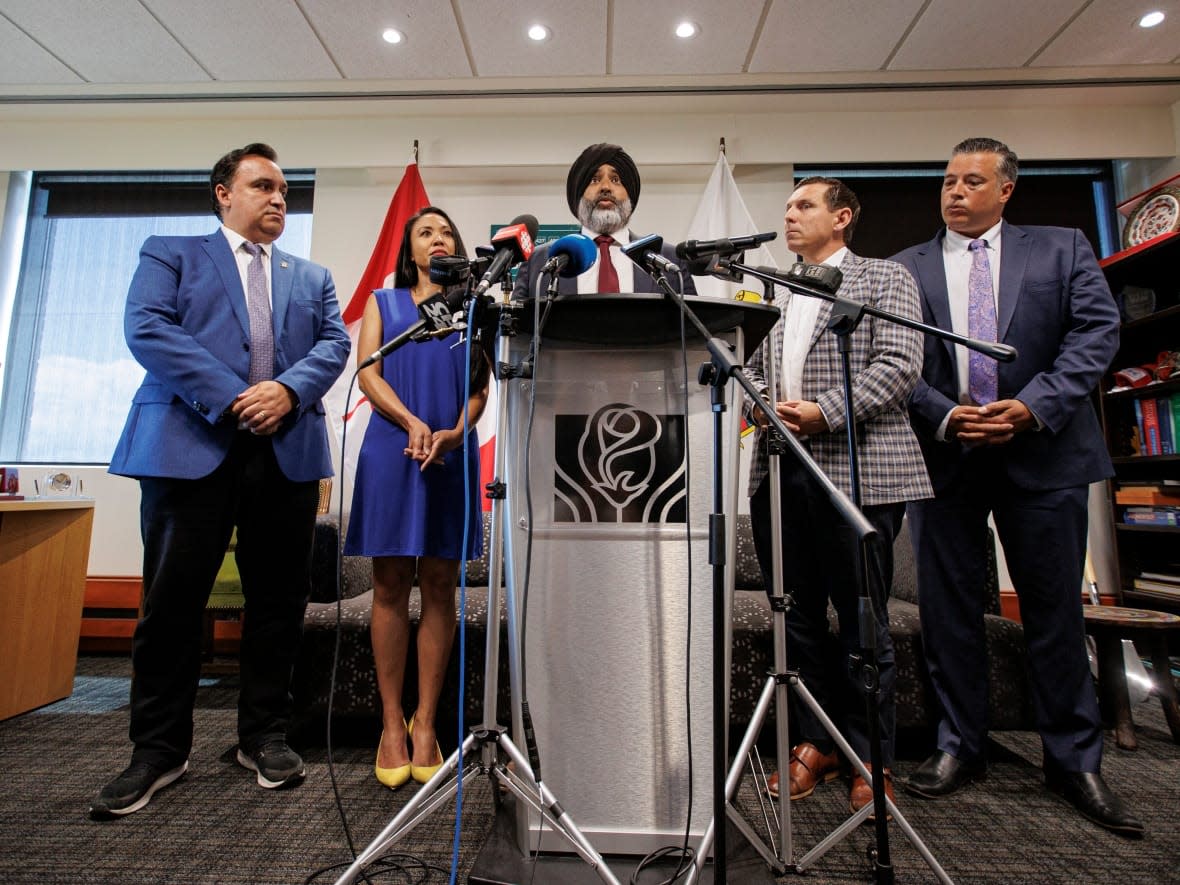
<point x="809" y="767"/>
<point x="862" y="793"/>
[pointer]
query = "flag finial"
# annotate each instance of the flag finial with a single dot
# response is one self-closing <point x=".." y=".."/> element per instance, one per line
<point x="415" y="150"/>
<point x="723" y="144"/>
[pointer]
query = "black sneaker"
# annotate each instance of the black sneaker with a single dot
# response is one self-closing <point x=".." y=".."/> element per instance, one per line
<point x="276" y="764"/>
<point x="133" y="789"/>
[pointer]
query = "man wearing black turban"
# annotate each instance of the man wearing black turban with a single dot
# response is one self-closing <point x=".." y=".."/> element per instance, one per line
<point x="602" y="189"/>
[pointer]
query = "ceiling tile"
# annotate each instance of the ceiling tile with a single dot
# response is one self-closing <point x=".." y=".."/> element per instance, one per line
<point x="260" y="40"/>
<point x="1108" y="33"/>
<point x="802" y="36"/>
<point x="351" y="30"/>
<point x="953" y="35"/>
<point x="116" y="41"/>
<point x="23" y="61"/>
<point x="496" y="33"/>
<point x="643" y="42"/>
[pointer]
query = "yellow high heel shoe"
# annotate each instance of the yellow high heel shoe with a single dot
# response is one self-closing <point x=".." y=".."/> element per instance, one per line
<point x="391" y="777"/>
<point x="423" y="773"/>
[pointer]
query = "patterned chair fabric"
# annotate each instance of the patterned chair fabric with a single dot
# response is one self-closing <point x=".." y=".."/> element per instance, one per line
<point x="753" y="654"/>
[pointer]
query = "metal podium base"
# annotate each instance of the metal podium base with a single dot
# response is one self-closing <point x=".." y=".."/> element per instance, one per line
<point x="500" y="862"/>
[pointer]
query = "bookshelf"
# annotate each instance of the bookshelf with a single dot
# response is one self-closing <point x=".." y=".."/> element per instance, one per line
<point x="1141" y="431"/>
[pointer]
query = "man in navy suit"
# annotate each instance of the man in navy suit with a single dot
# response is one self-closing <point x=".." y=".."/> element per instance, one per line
<point x="602" y="190"/>
<point x="240" y="341"/>
<point x="1022" y="446"/>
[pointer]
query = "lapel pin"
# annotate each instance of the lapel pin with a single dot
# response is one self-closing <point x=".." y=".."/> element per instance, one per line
<point x="282" y="264"/>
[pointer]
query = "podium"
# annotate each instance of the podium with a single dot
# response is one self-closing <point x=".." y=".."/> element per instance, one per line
<point x="608" y="503"/>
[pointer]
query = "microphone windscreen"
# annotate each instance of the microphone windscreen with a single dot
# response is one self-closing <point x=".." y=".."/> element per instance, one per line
<point x="581" y="251"/>
<point x="529" y="222"/>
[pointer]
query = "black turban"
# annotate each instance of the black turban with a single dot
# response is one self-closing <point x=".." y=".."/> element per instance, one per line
<point x="587" y="164"/>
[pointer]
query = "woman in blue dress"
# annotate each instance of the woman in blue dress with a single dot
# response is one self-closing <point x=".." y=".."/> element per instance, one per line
<point x="408" y="503"/>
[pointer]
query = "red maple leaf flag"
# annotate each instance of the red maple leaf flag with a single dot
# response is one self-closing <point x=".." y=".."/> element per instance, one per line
<point x="409" y="197"/>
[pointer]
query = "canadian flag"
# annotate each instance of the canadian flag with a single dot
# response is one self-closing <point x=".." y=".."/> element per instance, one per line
<point x="349" y="419"/>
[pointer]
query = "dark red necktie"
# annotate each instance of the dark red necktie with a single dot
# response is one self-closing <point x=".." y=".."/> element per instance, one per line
<point x="608" y="280"/>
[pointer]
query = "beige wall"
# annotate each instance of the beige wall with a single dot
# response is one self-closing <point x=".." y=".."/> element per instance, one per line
<point x="488" y="160"/>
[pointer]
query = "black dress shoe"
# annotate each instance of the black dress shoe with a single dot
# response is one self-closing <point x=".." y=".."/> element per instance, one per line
<point x="942" y="774"/>
<point x="1088" y="793"/>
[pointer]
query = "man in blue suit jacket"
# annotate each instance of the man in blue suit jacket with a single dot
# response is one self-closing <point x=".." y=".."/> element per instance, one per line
<point x="1025" y="454"/>
<point x="602" y="190"/>
<point x="240" y="341"/>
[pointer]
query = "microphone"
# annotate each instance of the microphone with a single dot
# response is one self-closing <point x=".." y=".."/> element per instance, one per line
<point x="690" y="249"/>
<point x="513" y="244"/>
<point x="571" y="255"/>
<point x="435" y="317"/>
<point x="646" y="253"/>
<point x="449" y="270"/>
<point x="453" y="270"/>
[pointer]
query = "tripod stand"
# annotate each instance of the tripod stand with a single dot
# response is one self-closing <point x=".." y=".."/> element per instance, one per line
<point x="478" y="755"/>
<point x="845" y="316"/>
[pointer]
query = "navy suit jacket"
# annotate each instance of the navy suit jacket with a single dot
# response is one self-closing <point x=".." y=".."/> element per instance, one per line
<point x="186" y="323"/>
<point x="1055" y="307"/>
<point x="526" y="278"/>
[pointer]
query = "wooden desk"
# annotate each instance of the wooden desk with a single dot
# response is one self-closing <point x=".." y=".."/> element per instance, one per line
<point x="44" y="547"/>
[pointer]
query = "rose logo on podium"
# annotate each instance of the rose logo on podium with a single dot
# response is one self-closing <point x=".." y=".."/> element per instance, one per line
<point x="620" y="465"/>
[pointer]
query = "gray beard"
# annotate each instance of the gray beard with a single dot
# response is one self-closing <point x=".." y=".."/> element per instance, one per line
<point x="603" y="221"/>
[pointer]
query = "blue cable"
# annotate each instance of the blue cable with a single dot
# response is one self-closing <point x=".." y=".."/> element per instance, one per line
<point x="463" y="597"/>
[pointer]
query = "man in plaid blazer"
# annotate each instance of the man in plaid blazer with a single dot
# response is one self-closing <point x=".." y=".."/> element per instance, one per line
<point x="819" y="550"/>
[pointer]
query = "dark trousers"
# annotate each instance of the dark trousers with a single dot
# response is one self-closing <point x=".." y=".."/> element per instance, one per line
<point x="186" y="527"/>
<point x="820" y="563"/>
<point x="1043" y="534"/>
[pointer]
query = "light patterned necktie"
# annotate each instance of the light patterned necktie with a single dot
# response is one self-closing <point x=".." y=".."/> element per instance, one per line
<point x="982" y="371"/>
<point x="262" y="342"/>
<point x="608" y="278"/>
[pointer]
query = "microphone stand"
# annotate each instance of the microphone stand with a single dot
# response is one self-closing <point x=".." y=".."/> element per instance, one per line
<point x="716" y="373"/>
<point x="846" y="315"/>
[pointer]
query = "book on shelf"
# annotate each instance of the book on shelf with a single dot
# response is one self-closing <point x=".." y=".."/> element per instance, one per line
<point x="1167" y="516"/>
<point x="1147" y="495"/>
<point x="1166" y="577"/>
<point x="1159" y="591"/>
<point x="1148" y="417"/>
<point x="1163" y="408"/>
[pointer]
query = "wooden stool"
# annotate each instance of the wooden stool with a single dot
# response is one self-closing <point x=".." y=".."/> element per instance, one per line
<point x="1109" y="625"/>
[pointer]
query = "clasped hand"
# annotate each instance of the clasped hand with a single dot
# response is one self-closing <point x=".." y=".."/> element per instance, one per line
<point x="991" y="425"/>
<point x="427" y="446"/>
<point x="261" y="407"/>
<point x="802" y="417"/>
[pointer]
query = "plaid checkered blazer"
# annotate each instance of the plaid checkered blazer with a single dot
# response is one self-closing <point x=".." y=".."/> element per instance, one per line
<point x="886" y="360"/>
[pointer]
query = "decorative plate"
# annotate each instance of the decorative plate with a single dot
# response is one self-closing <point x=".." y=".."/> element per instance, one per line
<point x="1159" y="213"/>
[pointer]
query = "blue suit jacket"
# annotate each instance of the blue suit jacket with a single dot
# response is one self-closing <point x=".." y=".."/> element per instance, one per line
<point x="1056" y="309"/>
<point x="186" y="323"/>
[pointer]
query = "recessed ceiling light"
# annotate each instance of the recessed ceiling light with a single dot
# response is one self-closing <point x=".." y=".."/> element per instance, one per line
<point x="538" y="33"/>
<point x="685" y="30"/>
<point x="392" y="35"/>
<point x="1151" y="19"/>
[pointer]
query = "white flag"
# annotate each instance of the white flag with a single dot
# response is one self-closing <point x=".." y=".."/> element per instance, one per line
<point x="722" y="213"/>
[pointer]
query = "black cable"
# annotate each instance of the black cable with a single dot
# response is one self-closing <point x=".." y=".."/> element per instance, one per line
<point x="687" y="854"/>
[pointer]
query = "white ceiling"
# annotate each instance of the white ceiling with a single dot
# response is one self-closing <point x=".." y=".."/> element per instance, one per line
<point x="71" y="50"/>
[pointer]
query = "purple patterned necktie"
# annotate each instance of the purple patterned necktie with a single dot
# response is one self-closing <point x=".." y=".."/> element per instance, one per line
<point x="982" y="371"/>
<point x="262" y="342"/>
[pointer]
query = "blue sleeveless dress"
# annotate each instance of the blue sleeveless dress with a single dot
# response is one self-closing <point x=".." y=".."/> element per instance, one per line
<point x="398" y="509"/>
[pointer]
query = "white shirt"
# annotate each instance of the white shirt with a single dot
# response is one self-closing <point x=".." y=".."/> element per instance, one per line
<point x="798" y="327"/>
<point x="243" y="259"/>
<point x="624" y="267"/>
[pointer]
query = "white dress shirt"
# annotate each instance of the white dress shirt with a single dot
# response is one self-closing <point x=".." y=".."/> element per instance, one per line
<point x="624" y="266"/>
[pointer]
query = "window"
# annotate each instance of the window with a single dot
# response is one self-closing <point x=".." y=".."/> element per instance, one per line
<point x="900" y="204"/>
<point x="68" y="376"/>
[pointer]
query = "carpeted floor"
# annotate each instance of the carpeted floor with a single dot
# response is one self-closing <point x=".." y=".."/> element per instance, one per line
<point x="216" y="826"/>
